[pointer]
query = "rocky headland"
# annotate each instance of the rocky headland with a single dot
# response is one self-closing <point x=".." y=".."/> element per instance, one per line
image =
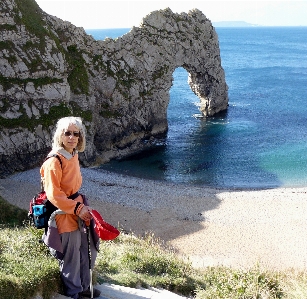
<point x="50" y="68"/>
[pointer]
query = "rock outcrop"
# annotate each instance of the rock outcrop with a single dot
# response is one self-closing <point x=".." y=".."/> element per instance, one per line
<point x="120" y="87"/>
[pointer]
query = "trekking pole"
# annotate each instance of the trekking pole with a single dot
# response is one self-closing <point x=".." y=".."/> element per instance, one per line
<point x="90" y="259"/>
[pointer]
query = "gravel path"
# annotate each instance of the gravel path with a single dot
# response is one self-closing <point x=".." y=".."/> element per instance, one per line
<point x="208" y="226"/>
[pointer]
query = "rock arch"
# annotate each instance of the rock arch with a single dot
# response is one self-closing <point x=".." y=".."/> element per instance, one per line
<point x="164" y="41"/>
<point x="119" y="86"/>
<point x="195" y="47"/>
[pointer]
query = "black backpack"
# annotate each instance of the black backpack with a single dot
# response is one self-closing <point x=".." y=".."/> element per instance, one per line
<point x="41" y="208"/>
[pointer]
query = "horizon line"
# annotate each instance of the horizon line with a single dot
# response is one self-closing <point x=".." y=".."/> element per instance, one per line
<point x="250" y="26"/>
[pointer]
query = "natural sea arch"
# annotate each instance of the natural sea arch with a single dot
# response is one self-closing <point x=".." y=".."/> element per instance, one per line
<point x="119" y="86"/>
<point x="140" y="67"/>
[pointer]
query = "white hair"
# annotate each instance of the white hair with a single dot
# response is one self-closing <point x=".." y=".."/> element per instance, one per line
<point x="63" y="125"/>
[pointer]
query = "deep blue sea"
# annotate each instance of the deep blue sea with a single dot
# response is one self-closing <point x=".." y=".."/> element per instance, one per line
<point x="261" y="141"/>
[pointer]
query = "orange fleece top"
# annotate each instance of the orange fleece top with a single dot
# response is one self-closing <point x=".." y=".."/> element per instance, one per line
<point x="61" y="182"/>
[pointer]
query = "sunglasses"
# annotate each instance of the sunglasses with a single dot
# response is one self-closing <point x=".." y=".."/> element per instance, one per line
<point x="69" y="133"/>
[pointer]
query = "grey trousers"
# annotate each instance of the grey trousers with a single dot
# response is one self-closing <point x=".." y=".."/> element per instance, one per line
<point x="74" y="267"/>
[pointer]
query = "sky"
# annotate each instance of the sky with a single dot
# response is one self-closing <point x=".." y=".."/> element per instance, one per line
<point x="100" y="14"/>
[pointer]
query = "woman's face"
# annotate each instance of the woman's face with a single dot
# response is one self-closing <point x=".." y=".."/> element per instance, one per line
<point x="70" y="138"/>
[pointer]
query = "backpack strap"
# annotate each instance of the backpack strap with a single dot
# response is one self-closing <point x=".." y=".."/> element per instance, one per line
<point x="56" y="156"/>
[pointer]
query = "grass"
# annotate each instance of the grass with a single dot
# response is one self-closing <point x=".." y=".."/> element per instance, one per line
<point x="27" y="268"/>
<point x="131" y="261"/>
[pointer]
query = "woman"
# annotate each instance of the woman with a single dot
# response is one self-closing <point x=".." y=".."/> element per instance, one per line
<point x="66" y="235"/>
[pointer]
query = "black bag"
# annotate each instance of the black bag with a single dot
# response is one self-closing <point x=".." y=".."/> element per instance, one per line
<point x="41" y="208"/>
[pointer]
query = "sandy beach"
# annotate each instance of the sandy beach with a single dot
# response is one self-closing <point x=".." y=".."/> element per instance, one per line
<point x="208" y="226"/>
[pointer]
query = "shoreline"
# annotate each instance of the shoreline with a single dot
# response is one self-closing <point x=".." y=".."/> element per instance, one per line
<point x="221" y="188"/>
<point x="209" y="226"/>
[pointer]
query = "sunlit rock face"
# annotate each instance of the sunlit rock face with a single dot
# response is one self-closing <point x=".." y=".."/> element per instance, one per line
<point x="50" y="68"/>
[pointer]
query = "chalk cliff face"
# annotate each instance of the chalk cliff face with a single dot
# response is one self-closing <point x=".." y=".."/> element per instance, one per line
<point x="49" y="69"/>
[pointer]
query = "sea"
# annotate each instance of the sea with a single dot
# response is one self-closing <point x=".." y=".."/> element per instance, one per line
<point x="260" y="142"/>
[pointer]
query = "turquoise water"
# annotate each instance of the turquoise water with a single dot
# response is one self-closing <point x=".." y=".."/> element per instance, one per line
<point x="260" y="141"/>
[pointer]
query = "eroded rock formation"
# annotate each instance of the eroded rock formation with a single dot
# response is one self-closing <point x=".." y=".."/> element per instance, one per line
<point x="49" y="69"/>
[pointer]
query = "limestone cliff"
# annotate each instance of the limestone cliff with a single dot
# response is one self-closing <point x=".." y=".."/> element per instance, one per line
<point x="49" y="69"/>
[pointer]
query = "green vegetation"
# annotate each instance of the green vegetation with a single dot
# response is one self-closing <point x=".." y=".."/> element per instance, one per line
<point x="32" y="18"/>
<point x="6" y="45"/>
<point x="78" y="77"/>
<point x="146" y="262"/>
<point x="11" y="215"/>
<point x="86" y="115"/>
<point x="7" y="27"/>
<point x="46" y="120"/>
<point x="8" y="82"/>
<point x="27" y="267"/>
<point x="229" y="283"/>
<point x="11" y="57"/>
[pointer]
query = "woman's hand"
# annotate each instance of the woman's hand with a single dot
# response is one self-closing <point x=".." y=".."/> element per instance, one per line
<point x="85" y="214"/>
